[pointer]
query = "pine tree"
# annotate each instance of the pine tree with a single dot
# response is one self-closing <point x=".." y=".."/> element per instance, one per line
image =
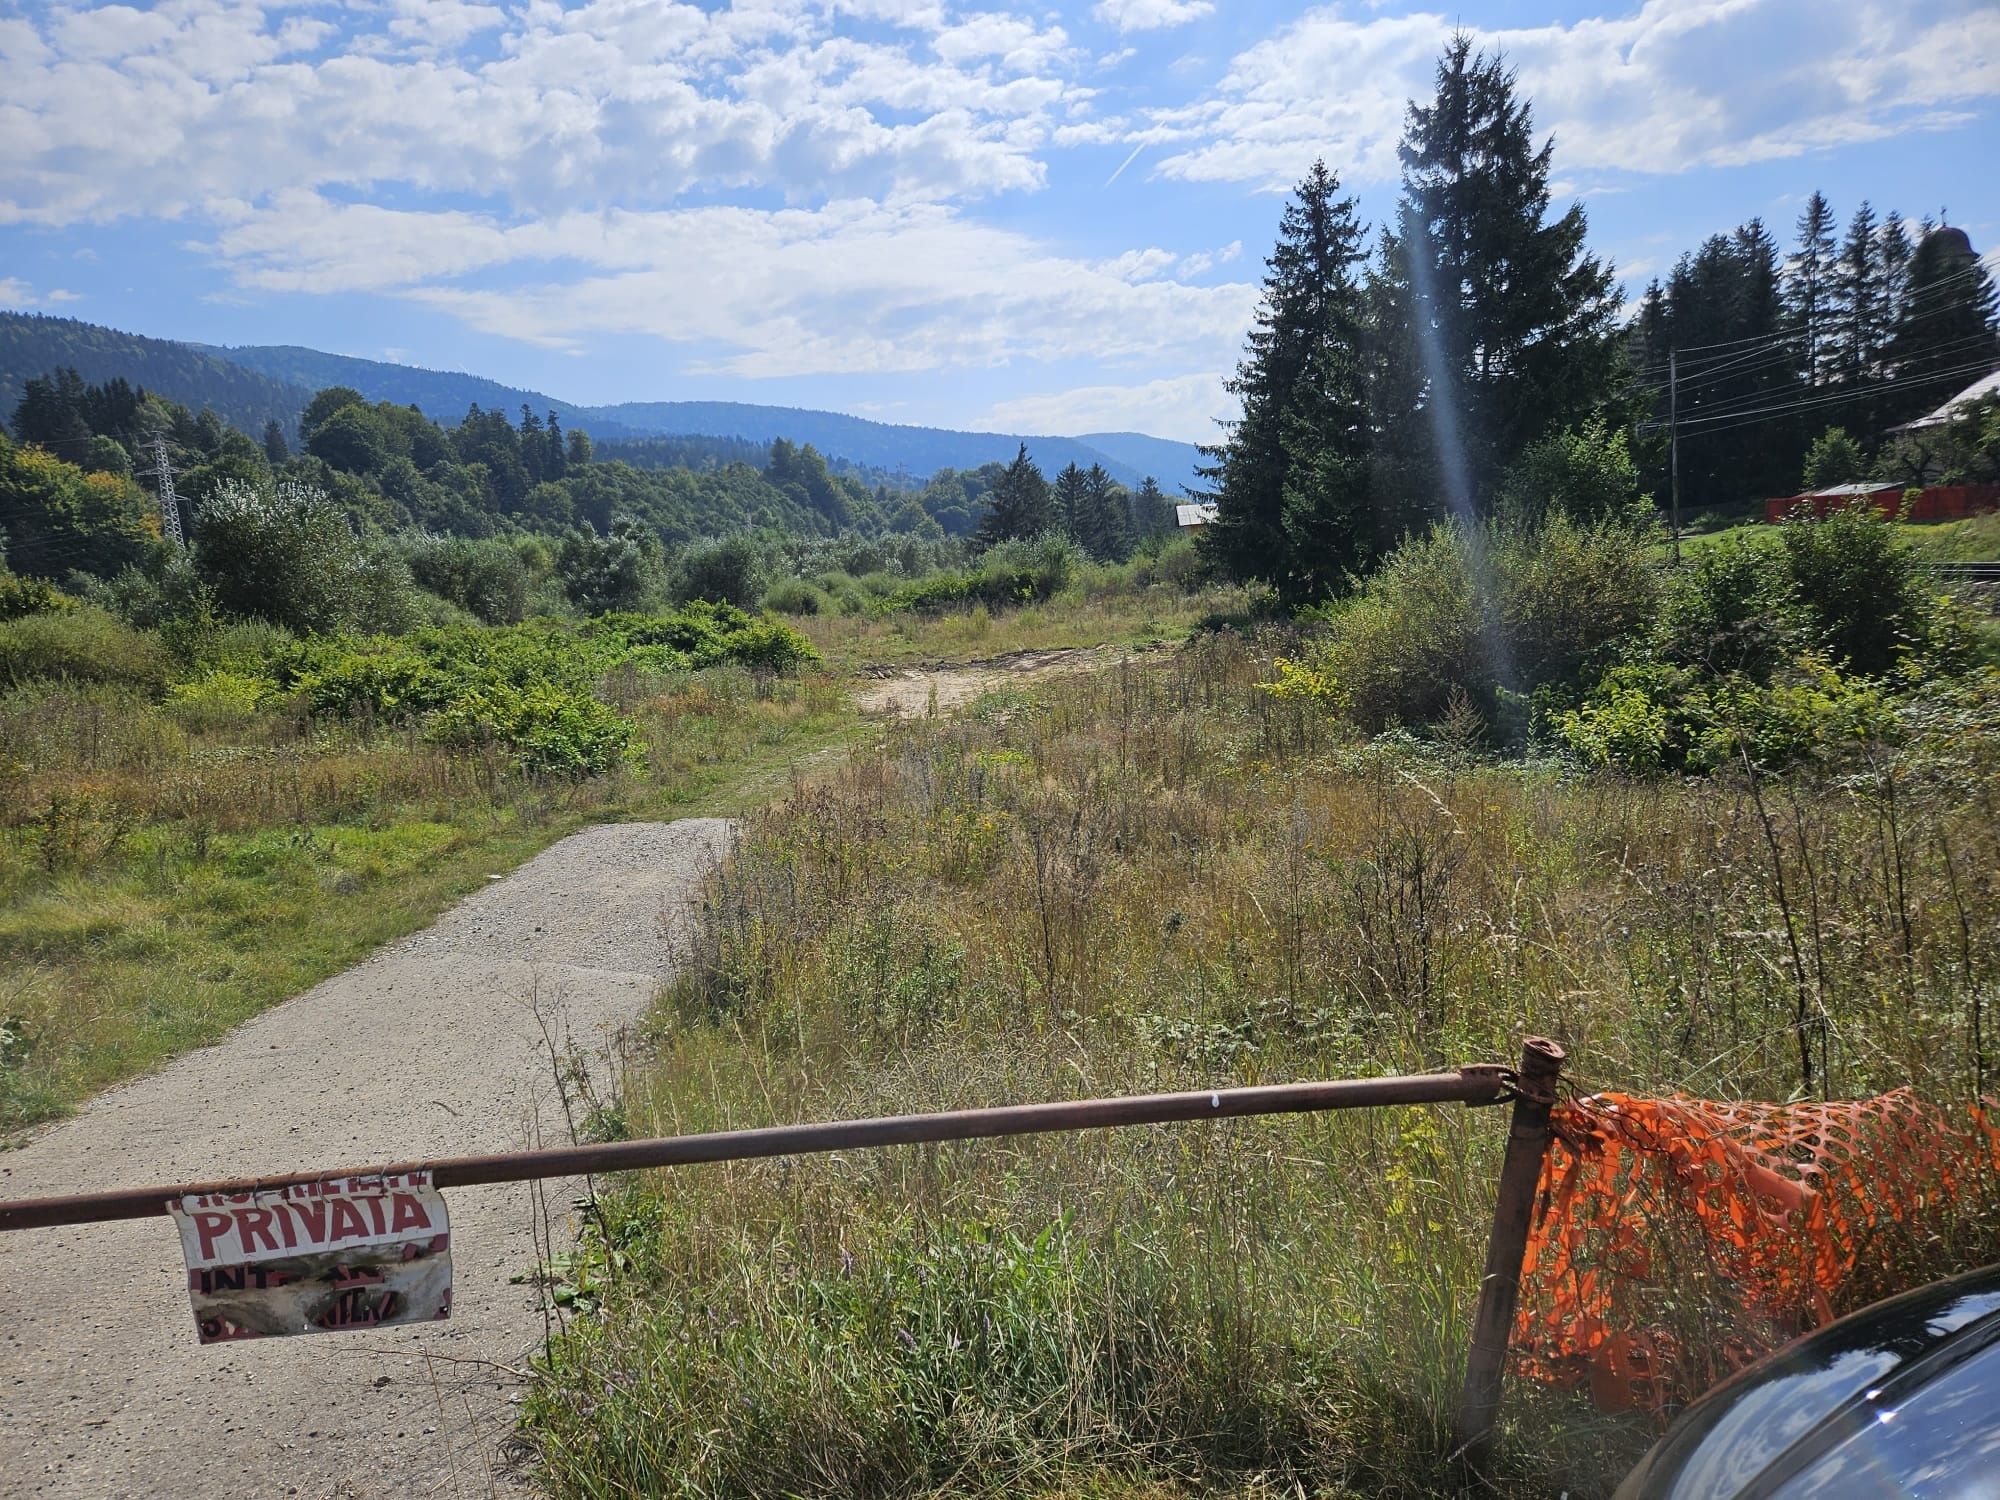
<point x="1945" y="338"/>
<point x="1291" y="481"/>
<point x="1857" y="282"/>
<point x="1101" y="525"/>
<point x="53" y="413"/>
<point x="1809" y="289"/>
<point x="276" y="450"/>
<point x="533" y="454"/>
<point x="555" y="457"/>
<point x="1152" y="514"/>
<point x="1018" y="504"/>
<point x="1509" y="319"/>
<point x="1067" y="498"/>
<point x="1893" y="275"/>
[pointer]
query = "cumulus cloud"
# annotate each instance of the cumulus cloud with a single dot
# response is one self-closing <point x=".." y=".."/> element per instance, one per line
<point x="197" y="104"/>
<point x="1177" y="406"/>
<point x="14" y="292"/>
<point x="1670" y="86"/>
<point x="851" y="286"/>
<point x="1151" y="15"/>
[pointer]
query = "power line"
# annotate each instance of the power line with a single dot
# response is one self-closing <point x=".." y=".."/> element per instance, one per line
<point x="1725" y="421"/>
<point x="1724" y="405"/>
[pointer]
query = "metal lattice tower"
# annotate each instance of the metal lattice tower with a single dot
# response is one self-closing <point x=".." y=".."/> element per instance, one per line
<point x="170" y="505"/>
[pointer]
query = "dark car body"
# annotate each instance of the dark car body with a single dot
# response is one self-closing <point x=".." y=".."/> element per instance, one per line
<point x="1899" y="1399"/>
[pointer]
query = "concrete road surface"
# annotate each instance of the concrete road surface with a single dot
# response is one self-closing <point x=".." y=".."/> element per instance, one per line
<point x="435" y="1046"/>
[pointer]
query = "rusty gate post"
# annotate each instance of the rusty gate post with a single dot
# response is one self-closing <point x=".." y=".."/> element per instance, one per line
<point x="1500" y="1284"/>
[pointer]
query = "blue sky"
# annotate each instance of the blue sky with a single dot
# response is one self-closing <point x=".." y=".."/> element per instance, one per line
<point x="1032" y="217"/>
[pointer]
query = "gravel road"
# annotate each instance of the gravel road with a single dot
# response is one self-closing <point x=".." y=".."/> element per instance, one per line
<point x="434" y="1046"/>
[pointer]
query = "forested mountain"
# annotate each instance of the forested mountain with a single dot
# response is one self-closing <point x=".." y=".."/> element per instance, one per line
<point x="1171" y="463"/>
<point x="444" y="394"/>
<point x="32" y="345"/>
<point x="916" y="451"/>
<point x="250" y="385"/>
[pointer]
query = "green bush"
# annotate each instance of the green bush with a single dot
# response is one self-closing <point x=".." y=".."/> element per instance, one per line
<point x="30" y="596"/>
<point x="1647" y="717"/>
<point x="288" y="554"/>
<point x="217" y="700"/>
<point x="485" y="577"/>
<point x="1009" y="574"/>
<point x="1480" y="617"/>
<point x="549" y="730"/>
<point x="85" y="644"/>
<point x="795" y="596"/>
<point x="533" y="688"/>
<point x="1729" y="609"/>
<point x="724" y="572"/>
<point x="1834" y="458"/>
<point x="1587" y="474"/>
<point x="1858" y="585"/>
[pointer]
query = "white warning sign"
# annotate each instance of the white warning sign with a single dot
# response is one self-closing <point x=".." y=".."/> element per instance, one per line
<point x="351" y="1252"/>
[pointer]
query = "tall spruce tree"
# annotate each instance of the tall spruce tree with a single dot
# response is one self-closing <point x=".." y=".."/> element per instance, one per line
<point x="1502" y="319"/>
<point x="1018" y="504"/>
<point x="1152" y="513"/>
<point x="1858" y="319"/>
<point x="1893" y="274"/>
<point x="1291" y="481"/>
<point x="1724" y="301"/>
<point x="1101" y="523"/>
<point x="1068" y="498"/>
<point x="1810" y="290"/>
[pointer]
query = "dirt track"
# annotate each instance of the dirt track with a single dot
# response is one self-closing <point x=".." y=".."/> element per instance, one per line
<point x="433" y="1046"/>
<point x="913" y="691"/>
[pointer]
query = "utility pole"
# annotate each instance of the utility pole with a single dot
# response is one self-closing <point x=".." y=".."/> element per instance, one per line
<point x="170" y="505"/>
<point x="1674" y="440"/>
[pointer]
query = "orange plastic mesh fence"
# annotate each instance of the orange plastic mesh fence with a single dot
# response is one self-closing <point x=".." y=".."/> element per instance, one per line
<point x="1676" y="1240"/>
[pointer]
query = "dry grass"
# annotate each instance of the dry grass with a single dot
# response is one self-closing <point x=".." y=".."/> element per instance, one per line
<point x="164" y="875"/>
<point x="1161" y="877"/>
<point x="1115" y="614"/>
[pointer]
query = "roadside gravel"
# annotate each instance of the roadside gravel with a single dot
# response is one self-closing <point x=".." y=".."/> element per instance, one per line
<point x="436" y="1045"/>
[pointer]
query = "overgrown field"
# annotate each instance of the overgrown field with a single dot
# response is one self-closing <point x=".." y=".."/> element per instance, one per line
<point x="195" y="826"/>
<point x="1162" y="877"/>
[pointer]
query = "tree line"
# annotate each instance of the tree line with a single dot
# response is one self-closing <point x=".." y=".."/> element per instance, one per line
<point x="1758" y="351"/>
<point x="1472" y="361"/>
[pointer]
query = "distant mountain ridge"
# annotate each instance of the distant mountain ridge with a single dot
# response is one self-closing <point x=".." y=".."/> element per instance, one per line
<point x="250" y="385"/>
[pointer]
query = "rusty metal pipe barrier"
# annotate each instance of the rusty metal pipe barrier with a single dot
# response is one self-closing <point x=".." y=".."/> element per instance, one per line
<point x="1475" y="1084"/>
<point x="1531" y="1087"/>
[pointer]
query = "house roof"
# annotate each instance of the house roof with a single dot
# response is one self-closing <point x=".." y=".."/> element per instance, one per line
<point x="1986" y="385"/>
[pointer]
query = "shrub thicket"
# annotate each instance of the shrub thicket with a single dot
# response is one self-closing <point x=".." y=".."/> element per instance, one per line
<point x="1774" y="647"/>
<point x="1489" y="618"/>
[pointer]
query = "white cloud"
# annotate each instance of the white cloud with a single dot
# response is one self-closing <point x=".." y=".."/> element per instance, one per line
<point x="14" y="292"/>
<point x="853" y="286"/>
<point x="1670" y="86"/>
<point x="1151" y="15"/>
<point x="1186" y="407"/>
<point x="1204" y="261"/>
<point x="196" y="105"/>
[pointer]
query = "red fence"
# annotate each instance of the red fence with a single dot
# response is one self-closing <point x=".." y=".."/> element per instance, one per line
<point x="1937" y="502"/>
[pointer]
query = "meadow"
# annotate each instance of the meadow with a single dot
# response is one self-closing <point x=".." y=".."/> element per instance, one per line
<point x="188" y="838"/>
<point x="198" y="820"/>
<point x="1168" y="876"/>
